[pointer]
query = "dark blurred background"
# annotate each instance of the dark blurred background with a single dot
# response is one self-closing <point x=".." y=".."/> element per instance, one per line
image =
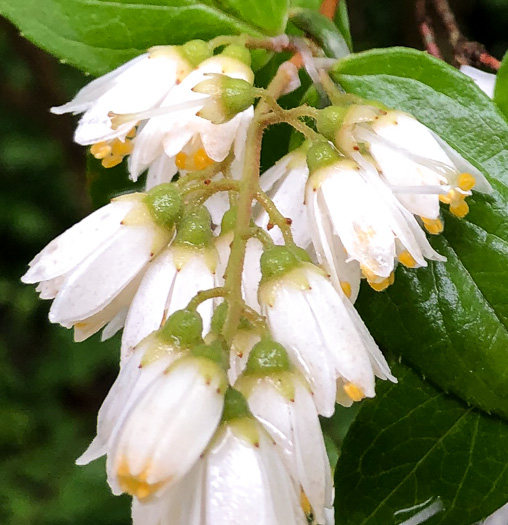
<point x="51" y="388"/>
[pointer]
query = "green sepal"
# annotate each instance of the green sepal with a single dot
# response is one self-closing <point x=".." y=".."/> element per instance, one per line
<point x="320" y="155"/>
<point x="215" y="351"/>
<point x="267" y="357"/>
<point x="196" y="51"/>
<point x="238" y="52"/>
<point x="165" y="205"/>
<point x="235" y="406"/>
<point x="183" y="328"/>
<point x="195" y="229"/>
<point x="279" y="260"/>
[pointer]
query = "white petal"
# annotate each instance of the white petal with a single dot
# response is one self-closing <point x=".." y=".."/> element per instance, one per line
<point x="97" y="281"/>
<point x="115" y="325"/>
<point x="74" y="245"/>
<point x="160" y="171"/>
<point x="485" y="81"/>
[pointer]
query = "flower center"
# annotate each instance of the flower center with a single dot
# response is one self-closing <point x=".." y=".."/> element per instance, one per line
<point x="354" y="392"/>
<point x="137" y="485"/>
<point x="196" y="161"/>
<point x="112" y="152"/>
<point x="433" y="226"/>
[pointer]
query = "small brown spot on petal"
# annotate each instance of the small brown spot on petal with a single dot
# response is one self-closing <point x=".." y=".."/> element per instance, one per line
<point x="289" y="221"/>
<point x="269" y="226"/>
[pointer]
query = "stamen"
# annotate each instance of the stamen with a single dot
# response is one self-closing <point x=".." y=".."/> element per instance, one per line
<point x="382" y="285"/>
<point x="466" y="181"/>
<point x="112" y="161"/>
<point x="460" y="209"/>
<point x="201" y="159"/>
<point x="136" y="485"/>
<point x="354" y="392"/>
<point x="305" y="503"/>
<point x="119" y="148"/>
<point x="100" y="150"/>
<point x="407" y="259"/>
<point x="181" y="160"/>
<point x="198" y="161"/>
<point x="433" y="226"/>
<point x="346" y="288"/>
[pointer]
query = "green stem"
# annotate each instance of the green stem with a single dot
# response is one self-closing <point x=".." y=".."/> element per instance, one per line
<point x="276" y="217"/>
<point x="204" y="295"/>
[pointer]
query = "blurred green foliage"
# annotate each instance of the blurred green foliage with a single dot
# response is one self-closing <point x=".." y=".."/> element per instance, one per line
<point x="50" y="387"/>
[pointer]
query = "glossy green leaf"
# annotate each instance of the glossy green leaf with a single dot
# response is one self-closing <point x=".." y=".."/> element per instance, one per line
<point x="449" y="320"/>
<point x="501" y="88"/>
<point x="97" y="36"/>
<point x="415" y="451"/>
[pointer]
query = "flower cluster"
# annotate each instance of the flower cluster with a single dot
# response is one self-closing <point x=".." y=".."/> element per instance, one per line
<point x="236" y="292"/>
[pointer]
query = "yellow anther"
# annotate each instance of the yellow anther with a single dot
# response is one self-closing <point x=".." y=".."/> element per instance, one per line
<point x="111" y="161"/>
<point x="120" y="149"/>
<point x="100" y="150"/>
<point x="466" y="181"/>
<point x="137" y="485"/>
<point x="201" y="159"/>
<point x="380" y="286"/>
<point x="354" y="392"/>
<point x="305" y="503"/>
<point x="181" y="160"/>
<point x="391" y="278"/>
<point x="346" y="288"/>
<point x="407" y="259"/>
<point x="433" y="226"/>
<point x="459" y="209"/>
<point x="369" y="274"/>
<point x="446" y="199"/>
<point x="132" y="133"/>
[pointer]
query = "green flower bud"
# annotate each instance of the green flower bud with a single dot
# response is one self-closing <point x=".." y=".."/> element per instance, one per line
<point x="278" y="260"/>
<point x="196" y="51"/>
<point x="228" y="222"/>
<point x="235" y="406"/>
<point x="241" y="53"/>
<point x="195" y="229"/>
<point x="228" y="97"/>
<point x="183" y="328"/>
<point x="330" y="120"/>
<point x="267" y="357"/>
<point x="320" y="155"/>
<point x="165" y="204"/>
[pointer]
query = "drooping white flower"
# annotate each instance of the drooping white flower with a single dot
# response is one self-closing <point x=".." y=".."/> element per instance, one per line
<point x="356" y="220"/>
<point x="485" y="81"/>
<point x="320" y="329"/>
<point x="172" y="279"/>
<point x="282" y="401"/>
<point x="92" y="270"/>
<point x="181" y="332"/>
<point x="285" y="184"/>
<point x="240" y="479"/>
<point x="168" y="428"/>
<point x="139" y="85"/>
<point x="192" y="141"/>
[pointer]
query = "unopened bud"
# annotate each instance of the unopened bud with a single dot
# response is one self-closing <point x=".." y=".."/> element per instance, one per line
<point x="278" y="260"/>
<point x="183" y="328"/>
<point x="235" y="406"/>
<point x="227" y="97"/>
<point x="165" y="204"/>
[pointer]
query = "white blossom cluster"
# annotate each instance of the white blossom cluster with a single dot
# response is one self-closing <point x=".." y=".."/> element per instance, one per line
<point x="198" y="428"/>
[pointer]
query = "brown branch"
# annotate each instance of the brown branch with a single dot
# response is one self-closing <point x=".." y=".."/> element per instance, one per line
<point x="426" y="30"/>
<point x="329" y="8"/>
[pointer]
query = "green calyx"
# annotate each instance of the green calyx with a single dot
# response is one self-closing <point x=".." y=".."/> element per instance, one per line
<point x="238" y="52"/>
<point x="320" y="155"/>
<point x="165" y="204"/>
<point x="235" y="406"/>
<point x="227" y="97"/>
<point x="279" y="260"/>
<point x="183" y="329"/>
<point x="228" y="222"/>
<point x="214" y="351"/>
<point x="195" y="229"/>
<point x="267" y="357"/>
<point x="330" y="120"/>
<point x="195" y="51"/>
<point x="219" y="318"/>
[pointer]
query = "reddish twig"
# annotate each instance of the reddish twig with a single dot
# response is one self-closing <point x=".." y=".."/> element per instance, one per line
<point x="329" y="8"/>
<point x="425" y="27"/>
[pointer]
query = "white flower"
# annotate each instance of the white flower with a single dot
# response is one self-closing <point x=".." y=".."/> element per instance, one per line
<point x="92" y="270"/>
<point x="420" y="167"/>
<point x="485" y="81"/>
<point x="285" y="184"/>
<point x="282" y="401"/>
<point x="193" y="142"/>
<point x="356" y="219"/>
<point x="240" y="480"/>
<point x="167" y="429"/>
<point x="321" y="331"/>
<point x="139" y="85"/>
<point x="171" y="280"/>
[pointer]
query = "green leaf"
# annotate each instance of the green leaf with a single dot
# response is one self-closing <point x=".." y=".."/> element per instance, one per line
<point x="342" y="22"/>
<point x="414" y="448"/>
<point x="449" y="320"/>
<point x="97" y="36"/>
<point x="501" y="88"/>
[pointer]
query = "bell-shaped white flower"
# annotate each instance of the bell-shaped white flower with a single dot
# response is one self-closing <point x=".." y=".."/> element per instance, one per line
<point x="181" y="332"/>
<point x="371" y="226"/>
<point x="172" y="279"/>
<point x="485" y="81"/>
<point x="92" y="270"/>
<point x="139" y="85"/>
<point x="282" y="401"/>
<point x="320" y="329"/>
<point x="240" y="479"/>
<point x="180" y="134"/>
<point x="168" y="428"/>
<point x="285" y="184"/>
